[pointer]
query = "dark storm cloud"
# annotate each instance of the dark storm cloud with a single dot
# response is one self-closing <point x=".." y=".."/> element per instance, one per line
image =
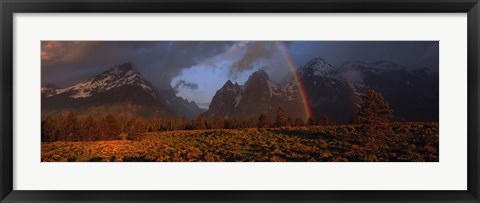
<point x="69" y="62"/>
<point x="264" y="55"/>
<point x="411" y="54"/>
<point x="199" y="68"/>
<point x="186" y="54"/>
<point x="183" y="83"/>
<point x="255" y="51"/>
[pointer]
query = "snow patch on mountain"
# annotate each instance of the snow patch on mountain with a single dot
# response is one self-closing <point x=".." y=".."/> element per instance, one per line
<point x="119" y="75"/>
<point x="238" y="98"/>
<point x="316" y="67"/>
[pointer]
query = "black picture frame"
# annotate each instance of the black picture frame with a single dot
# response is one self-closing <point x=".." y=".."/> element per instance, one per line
<point x="10" y="7"/>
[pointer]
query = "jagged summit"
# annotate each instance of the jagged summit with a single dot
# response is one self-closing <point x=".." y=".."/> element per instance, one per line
<point x="258" y="95"/>
<point x="317" y="60"/>
<point x="316" y="67"/>
<point x="259" y="76"/>
<point x="123" y="67"/>
<point x="260" y="73"/>
<point x="229" y="86"/>
<point x="228" y="83"/>
<point x="121" y="71"/>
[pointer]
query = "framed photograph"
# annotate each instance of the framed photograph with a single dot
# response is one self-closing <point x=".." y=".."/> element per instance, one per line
<point x="251" y="101"/>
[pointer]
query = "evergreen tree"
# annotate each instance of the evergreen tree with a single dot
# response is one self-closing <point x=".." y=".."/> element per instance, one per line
<point x="325" y="120"/>
<point x="88" y="129"/>
<point x="311" y="121"/>
<point x="137" y="129"/>
<point x="70" y="128"/>
<point x="183" y="124"/>
<point x="263" y="121"/>
<point x="290" y="121"/>
<point x="48" y="129"/>
<point x="281" y="119"/>
<point x="217" y="122"/>
<point x="299" y="122"/>
<point x="109" y="128"/>
<point x="229" y="124"/>
<point x="200" y="123"/>
<point x="374" y="115"/>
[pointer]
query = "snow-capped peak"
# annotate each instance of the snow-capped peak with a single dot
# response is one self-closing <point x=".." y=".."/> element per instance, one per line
<point x="316" y="67"/>
<point x="119" y="71"/>
<point x="120" y="75"/>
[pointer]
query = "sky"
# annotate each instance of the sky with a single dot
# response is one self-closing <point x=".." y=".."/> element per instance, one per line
<point x="197" y="69"/>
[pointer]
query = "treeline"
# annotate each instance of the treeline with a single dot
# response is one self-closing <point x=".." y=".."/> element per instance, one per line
<point x="373" y="118"/>
<point x="73" y="128"/>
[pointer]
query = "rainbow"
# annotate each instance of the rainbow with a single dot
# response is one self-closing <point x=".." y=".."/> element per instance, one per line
<point x="298" y="79"/>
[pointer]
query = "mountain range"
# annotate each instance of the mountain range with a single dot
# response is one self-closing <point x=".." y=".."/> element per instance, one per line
<point x="332" y="93"/>
<point x="325" y="90"/>
<point x="120" y="90"/>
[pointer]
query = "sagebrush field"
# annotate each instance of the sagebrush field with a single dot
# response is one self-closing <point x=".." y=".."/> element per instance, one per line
<point x="417" y="142"/>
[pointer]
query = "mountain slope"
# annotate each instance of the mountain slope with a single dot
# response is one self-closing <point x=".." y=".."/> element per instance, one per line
<point x="413" y="94"/>
<point x="120" y="90"/>
<point x="327" y="93"/>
